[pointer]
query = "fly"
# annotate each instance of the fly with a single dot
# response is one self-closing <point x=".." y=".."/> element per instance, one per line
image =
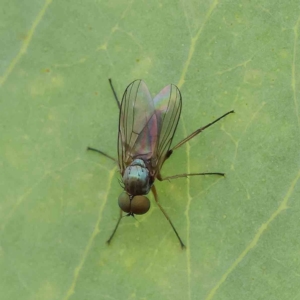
<point x="146" y="129"/>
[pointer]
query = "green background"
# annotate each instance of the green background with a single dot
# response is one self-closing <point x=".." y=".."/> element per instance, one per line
<point x="58" y="202"/>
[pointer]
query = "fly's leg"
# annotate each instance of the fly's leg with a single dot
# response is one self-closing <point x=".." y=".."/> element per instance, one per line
<point x="120" y="217"/>
<point x="101" y="152"/>
<point x="153" y="189"/>
<point x="114" y="92"/>
<point x="169" y="153"/>
<point x="186" y="175"/>
<point x="119" y="105"/>
<point x="116" y="227"/>
<point x="199" y="130"/>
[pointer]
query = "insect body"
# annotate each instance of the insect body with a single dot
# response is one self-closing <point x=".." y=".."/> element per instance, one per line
<point x="146" y="129"/>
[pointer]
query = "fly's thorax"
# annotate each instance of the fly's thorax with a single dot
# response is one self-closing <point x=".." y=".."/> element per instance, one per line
<point x="136" y="178"/>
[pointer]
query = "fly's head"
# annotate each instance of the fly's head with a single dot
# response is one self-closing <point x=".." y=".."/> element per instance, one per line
<point x="137" y="183"/>
<point x="133" y="205"/>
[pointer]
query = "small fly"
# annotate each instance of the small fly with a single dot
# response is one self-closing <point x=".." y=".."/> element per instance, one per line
<point x="146" y="129"/>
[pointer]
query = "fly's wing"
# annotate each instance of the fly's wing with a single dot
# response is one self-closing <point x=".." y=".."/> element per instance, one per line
<point x="137" y="124"/>
<point x="167" y="109"/>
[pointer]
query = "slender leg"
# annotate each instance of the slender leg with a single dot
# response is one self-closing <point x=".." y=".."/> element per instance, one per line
<point x="117" y="225"/>
<point x="115" y="94"/>
<point x="169" y="153"/>
<point x="195" y="133"/>
<point x="153" y="189"/>
<point x="200" y="130"/>
<point x="119" y="105"/>
<point x="101" y="152"/>
<point x="186" y="175"/>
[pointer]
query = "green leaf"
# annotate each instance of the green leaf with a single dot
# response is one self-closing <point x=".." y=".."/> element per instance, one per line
<point x="58" y="202"/>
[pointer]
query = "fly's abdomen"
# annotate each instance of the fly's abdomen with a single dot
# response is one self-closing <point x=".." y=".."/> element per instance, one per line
<point x="136" y="178"/>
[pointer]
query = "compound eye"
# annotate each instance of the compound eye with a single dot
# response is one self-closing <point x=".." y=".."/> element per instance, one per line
<point x="140" y="205"/>
<point x="124" y="202"/>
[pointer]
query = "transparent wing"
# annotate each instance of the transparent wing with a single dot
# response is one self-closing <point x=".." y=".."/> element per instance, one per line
<point x="167" y="106"/>
<point x="137" y="125"/>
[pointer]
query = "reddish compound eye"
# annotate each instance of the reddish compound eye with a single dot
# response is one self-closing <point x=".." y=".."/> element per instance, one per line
<point x="139" y="205"/>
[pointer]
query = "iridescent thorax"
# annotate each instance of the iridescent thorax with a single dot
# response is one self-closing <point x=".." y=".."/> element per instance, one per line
<point x="137" y="179"/>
